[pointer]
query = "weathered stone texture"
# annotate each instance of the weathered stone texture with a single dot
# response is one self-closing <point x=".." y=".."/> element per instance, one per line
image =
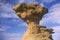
<point x="32" y="14"/>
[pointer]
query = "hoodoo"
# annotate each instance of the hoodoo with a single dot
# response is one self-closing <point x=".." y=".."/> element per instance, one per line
<point x="32" y="14"/>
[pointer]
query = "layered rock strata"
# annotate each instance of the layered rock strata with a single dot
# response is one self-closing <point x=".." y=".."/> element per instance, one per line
<point x="32" y="14"/>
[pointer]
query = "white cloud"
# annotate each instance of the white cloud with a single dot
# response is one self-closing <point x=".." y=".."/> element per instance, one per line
<point x="56" y="35"/>
<point x="31" y="1"/>
<point x="22" y="24"/>
<point x="48" y="1"/>
<point x="12" y="36"/>
<point x="34" y="1"/>
<point x="2" y="0"/>
<point x="28" y="1"/>
<point x="56" y="29"/>
<point x="21" y="1"/>
<point x="4" y="28"/>
<point x="6" y="15"/>
<point x="53" y="16"/>
<point x="6" y="11"/>
<point x="42" y="4"/>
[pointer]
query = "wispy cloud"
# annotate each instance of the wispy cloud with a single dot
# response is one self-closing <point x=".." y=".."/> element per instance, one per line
<point x="13" y="2"/>
<point x="12" y="36"/>
<point x="22" y="24"/>
<point x="6" y="11"/>
<point x="31" y="1"/>
<point x="56" y="35"/>
<point x="48" y="1"/>
<point x="53" y="15"/>
<point x="4" y="28"/>
<point x="2" y="0"/>
<point x="56" y="29"/>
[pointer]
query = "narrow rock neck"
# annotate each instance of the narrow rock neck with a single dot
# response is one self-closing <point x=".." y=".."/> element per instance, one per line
<point x="32" y="22"/>
<point x="33" y="27"/>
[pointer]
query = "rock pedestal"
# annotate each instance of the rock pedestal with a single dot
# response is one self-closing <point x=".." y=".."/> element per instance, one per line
<point x="32" y="14"/>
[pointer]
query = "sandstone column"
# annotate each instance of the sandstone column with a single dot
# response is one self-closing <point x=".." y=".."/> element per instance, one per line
<point x="32" y="14"/>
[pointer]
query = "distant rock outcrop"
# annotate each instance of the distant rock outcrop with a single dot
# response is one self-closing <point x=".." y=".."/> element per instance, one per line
<point x="32" y="14"/>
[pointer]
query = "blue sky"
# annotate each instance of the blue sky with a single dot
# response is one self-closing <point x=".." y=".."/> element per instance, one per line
<point x="13" y="28"/>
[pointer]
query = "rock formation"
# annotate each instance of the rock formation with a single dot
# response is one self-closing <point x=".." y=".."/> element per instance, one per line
<point x="32" y="14"/>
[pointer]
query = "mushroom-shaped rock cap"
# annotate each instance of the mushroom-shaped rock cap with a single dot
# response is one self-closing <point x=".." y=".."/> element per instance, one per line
<point x="30" y="11"/>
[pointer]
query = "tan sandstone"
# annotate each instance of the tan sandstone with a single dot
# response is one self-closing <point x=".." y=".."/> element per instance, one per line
<point x="32" y="14"/>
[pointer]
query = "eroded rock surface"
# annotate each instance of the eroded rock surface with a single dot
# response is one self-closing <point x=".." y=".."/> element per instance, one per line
<point x="32" y="14"/>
